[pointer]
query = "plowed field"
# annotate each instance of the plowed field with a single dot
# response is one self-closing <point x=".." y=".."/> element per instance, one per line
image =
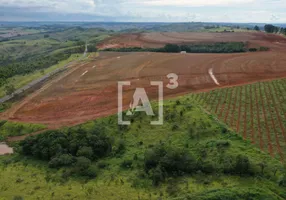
<point x="90" y="91"/>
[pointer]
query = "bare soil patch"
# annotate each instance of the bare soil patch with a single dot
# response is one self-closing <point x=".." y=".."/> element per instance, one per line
<point x="76" y="98"/>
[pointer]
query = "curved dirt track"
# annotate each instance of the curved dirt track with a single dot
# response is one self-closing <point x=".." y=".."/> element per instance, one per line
<point x="76" y="98"/>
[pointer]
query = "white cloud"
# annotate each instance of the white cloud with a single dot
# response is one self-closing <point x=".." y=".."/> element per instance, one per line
<point x="68" y="6"/>
<point x="195" y="2"/>
<point x="159" y="10"/>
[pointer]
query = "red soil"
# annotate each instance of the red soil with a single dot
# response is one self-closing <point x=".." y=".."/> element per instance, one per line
<point x="75" y="98"/>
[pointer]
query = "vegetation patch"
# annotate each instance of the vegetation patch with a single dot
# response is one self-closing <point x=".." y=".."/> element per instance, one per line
<point x="10" y="129"/>
<point x="219" y="47"/>
<point x="199" y="153"/>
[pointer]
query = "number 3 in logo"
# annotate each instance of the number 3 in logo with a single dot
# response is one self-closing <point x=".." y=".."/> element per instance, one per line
<point x="173" y="81"/>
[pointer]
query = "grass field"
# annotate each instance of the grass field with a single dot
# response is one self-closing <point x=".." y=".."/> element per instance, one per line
<point x="19" y="81"/>
<point x="257" y="112"/>
<point x="10" y="129"/>
<point x="186" y="127"/>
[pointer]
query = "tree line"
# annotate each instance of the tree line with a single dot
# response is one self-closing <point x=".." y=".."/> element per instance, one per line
<point x="75" y="149"/>
<point x="219" y="47"/>
<point x="269" y="28"/>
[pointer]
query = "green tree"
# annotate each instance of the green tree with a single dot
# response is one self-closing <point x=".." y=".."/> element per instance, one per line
<point x="269" y="28"/>
<point x="85" y="152"/>
<point x="62" y="160"/>
<point x="262" y="166"/>
<point x="10" y="89"/>
<point x="173" y="48"/>
<point x="256" y="28"/>
<point x="242" y="165"/>
<point x="91" y="48"/>
<point x="82" y="163"/>
<point x="282" y="181"/>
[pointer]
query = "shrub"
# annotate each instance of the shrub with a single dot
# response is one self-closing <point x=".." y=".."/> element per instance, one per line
<point x="157" y="175"/>
<point x="173" y="189"/>
<point x="264" y="49"/>
<point x="76" y="142"/>
<point x="61" y="160"/>
<point x="18" y="198"/>
<point x="161" y="162"/>
<point x="90" y="172"/>
<point x="126" y="164"/>
<point x="102" y="164"/>
<point x="121" y="147"/>
<point x="282" y="181"/>
<point x="82" y="163"/>
<point x="175" y="127"/>
<point x="252" y="49"/>
<point x="233" y="193"/>
<point x="178" y="102"/>
<point x="207" y="167"/>
<point x="222" y="143"/>
<point x="85" y="152"/>
<point x="242" y="165"/>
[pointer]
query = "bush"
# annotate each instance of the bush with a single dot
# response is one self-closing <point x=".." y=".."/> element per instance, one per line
<point x="61" y="160"/>
<point x="85" y="152"/>
<point x="264" y="49"/>
<point x="234" y="193"/>
<point x="161" y="162"/>
<point x="175" y="127"/>
<point x="121" y="147"/>
<point x="18" y="198"/>
<point x="92" y="145"/>
<point x="4" y="106"/>
<point x="82" y="163"/>
<point x="92" y="48"/>
<point x="222" y="143"/>
<point x="252" y="49"/>
<point x="126" y="164"/>
<point x="91" y="172"/>
<point x="282" y="181"/>
<point x="157" y="175"/>
<point x="242" y="165"/>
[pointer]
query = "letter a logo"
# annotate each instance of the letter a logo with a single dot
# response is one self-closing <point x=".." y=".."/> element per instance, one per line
<point x="140" y="95"/>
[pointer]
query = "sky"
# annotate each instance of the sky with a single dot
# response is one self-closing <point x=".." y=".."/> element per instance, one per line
<point x="256" y="11"/>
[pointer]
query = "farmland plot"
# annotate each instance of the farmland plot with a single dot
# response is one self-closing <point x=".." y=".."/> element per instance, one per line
<point x="255" y="111"/>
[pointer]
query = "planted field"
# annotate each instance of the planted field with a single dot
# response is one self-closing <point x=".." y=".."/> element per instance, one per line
<point x="256" y="111"/>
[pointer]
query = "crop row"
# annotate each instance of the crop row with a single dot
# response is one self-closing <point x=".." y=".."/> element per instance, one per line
<point x="257" y="112"/>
